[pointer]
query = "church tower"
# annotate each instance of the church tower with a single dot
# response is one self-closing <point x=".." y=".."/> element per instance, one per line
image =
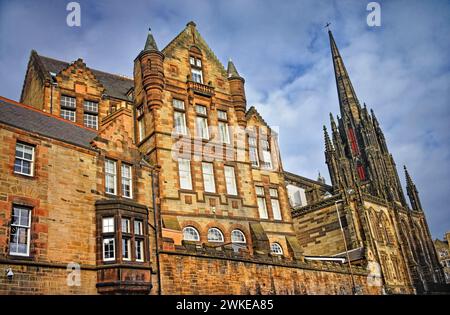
<point x="360" y="156"/>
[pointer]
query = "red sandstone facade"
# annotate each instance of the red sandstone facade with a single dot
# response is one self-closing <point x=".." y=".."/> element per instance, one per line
<point x="107" y="195"/>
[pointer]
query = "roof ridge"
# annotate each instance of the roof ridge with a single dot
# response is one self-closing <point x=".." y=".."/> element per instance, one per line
<point x="109" y="73"/>
<point x="43" y="113"/>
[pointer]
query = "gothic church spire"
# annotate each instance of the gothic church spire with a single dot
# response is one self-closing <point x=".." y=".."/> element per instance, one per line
<point x="348" y="100"/>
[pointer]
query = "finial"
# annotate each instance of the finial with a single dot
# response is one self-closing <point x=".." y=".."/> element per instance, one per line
<point x="327" y="26"/>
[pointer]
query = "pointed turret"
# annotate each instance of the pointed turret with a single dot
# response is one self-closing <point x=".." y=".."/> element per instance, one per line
<point x="237" y="92"/>
<point x="413" y="194"/>
<point x="149" y="72"/>
<point x="150" y="43"/>
<point x="348" y="100"/>
<point x="232" y="71"/>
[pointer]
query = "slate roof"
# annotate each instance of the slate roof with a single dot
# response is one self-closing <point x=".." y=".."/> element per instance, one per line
<point x="115" y="85"/>
<point x="29" y="119"/>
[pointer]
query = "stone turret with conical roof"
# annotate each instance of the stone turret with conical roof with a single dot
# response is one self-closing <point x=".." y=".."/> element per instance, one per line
<point x="151" y="68"/>
<point x="237" y="92"/>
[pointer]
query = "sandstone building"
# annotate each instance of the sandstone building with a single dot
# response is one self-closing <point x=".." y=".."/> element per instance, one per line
<point x="443" y="251"/>
<point x="168" y="183"/>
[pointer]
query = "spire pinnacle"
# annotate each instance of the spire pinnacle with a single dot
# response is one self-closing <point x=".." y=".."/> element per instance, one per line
<point x="150" y="43"/>
<point x="409" y="181"/>
<point x="328" y="144"/>
<point x="348" y="100"/>
<point x="413" y="194"/>
<point x="231" y="70"/>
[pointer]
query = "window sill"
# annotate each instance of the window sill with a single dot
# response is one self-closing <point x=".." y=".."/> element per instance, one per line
<point x="32" y="176"/>
<point x="20" y="257"/>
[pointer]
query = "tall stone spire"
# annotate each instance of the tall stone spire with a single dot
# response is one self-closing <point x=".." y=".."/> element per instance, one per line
<point x="150" y="43"/>
<point x="348" y="100"/>
<point x="413" y="194"/>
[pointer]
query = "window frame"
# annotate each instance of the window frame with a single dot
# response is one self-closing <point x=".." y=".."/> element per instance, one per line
<point x="261" y="196"/>
<point x="196" y="233"/>
<point x="214" y="229"/>
<point x="235" y="191"/>
<point x="67" y="107"/>
<point x="186" y="162"/>
<point x="274" y="198"/>
<point x="20" y="226"/>
<point x="241" y="233"/>
<point x="90" y="111"/>
<point x="210" y="176"/>
<point x="128" y="179"/>
<point x="179" y="110"/>
<point x="279" y="250"/>
<point x="32" y="161"/>
<point x="114" y="176"/>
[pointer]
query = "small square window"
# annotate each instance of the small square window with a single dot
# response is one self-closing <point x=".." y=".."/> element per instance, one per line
<point x="178" y="104"/>
<point x="259" y="190"/>
<point x="108" y="225"/>
<point x="222" y="115"/>
<point x="273" y="193"/>
<point x="91" y="106"/>
<point x="199" y="62"/>
<point x="201" y="110"/>
<point x="192" y="61"/>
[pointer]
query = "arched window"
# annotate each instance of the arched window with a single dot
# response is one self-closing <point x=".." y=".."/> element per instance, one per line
<point x="237" y="237"/>
<point x="276" y="249"/>
<point x="214" y="235"/>
<point x="190" y="234"/>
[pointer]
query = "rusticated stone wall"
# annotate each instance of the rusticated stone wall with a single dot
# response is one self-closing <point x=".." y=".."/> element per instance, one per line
<point x="185" y="273"/>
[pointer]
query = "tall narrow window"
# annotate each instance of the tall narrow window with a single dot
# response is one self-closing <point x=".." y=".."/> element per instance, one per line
<point x="179" y="117"/>
<point x="20" y="231"/>
<point x="353" y="143"/>
<point x="267" y="157"/>
<point x="224" y="134"/>
<point x="68" y="107"/>
<point x="91" y="114"/>
<point x="201" y="122"/>
<point x="361" y="173"/>
<point x="141" y="122"/>
<point x="253" y="151"/>
<point x="275" y="204"/>
<point x="109" y="248"/>
<point x="24" y="161"/>
<point x="184" y="172"/>
<point x="127" y="181"/>
<point x="230" y="180"/>
<point x="196" y="69"/>
<point x="110" y="177"/>
<point x="262" y="207"/>
<point x="139" y="246"/>
<point x="208" y="177"/>
<point x="126" y="247"/>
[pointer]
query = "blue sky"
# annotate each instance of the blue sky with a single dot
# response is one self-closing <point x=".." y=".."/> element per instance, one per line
<point x="400" y="69"/>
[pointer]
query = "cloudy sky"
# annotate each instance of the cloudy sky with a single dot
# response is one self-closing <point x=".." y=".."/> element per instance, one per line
<point x="400" y="69"/>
